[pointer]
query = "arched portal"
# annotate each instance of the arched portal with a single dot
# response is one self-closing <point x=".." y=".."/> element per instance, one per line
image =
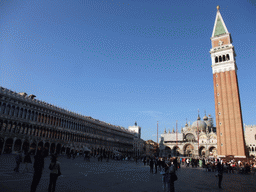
<point x="41" y="144"/>
<point x="168" y="152"/>
<point x="8" y="145"/>
<point x="17" y="145"/>
<point x="68" y="150"/>
<point x="62" y="149"/>
<point x="33" y="148"/>
<point x="202" y="151"/>
<point x="190" y="137"/>
<point x="188" y="150"/>
<point x="52" y="148"/>
<point x="176" y="151"/>
<point x="212" y="151"/>
<point x="25" y="146"/>
<point x="58" y="148"/>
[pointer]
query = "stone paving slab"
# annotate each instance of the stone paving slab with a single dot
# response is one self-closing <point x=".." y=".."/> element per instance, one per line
<point x="79" y="175"/>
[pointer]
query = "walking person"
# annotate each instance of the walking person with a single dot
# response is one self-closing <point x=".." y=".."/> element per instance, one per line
<point x="187" y="161"/>
<point x="172" y="177"/>
<point x="155" y="166"/>
<point x="38" y="169"/>
<point x="175" y="163"/>
<point x="18" y="160"/>
<point x="220" y="172"/>
<point x="55" y="172"/>
<point x="164" y="173"/>
<point x="27" y="160"/>
<point x="151" y="164"/>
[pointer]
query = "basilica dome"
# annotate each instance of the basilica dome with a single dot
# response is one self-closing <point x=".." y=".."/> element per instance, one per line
<point x="209" y="123"/>
<point x="200" y="124"/>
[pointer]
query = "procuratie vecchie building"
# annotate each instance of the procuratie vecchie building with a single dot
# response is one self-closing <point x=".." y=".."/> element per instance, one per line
<point x="27" y="123"/>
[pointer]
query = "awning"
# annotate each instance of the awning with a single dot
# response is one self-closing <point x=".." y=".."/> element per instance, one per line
<point x="117" y="152"/>
<point x="86" y="149"/>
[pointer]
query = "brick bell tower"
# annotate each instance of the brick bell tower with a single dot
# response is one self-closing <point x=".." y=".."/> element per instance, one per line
<point x="228" y="112"/>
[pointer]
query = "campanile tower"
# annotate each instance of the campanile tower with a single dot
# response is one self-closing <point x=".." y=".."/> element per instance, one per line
<point x="228" y="112"/>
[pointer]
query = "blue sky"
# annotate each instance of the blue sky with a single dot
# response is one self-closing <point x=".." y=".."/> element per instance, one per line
<point x="127" y="60"/>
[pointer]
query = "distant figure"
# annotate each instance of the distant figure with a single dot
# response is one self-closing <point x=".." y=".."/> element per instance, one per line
<point x="55" y="172"/>
<point x="187" y="161"/>
<point x="18" y="159"/>
<point x="38" y="169"/>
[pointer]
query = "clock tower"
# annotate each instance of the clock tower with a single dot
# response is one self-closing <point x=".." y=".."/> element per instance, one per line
<point x="229" y="123"/>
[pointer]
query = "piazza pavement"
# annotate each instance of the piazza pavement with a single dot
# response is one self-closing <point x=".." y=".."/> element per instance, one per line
<point x="116" y="176"/>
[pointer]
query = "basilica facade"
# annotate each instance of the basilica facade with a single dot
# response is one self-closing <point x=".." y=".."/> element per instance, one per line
<point x="198" y="139"/>
<point x="27" y="123"/>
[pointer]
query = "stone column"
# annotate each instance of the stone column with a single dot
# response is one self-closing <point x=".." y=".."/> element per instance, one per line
<point x="36" y="147"/>
<point x="4" y="145"/>
<point x="14" y="139"/>
<point x="40" y="131"/>
<point x="22" y="141"/>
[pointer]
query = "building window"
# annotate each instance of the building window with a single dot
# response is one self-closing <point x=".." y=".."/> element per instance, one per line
<point x="216" y="59"/>
<point x="218" y="103"/>
<point x="219" y="113"/>
<point x="221" y="144"/>
<point x="255" y="136"/>
<point x="217" y="85"/>
<point x="220" y="134"/>
<point x="224" y="58"/>
<point x="218" y="94"/>
<point x="216" y="75"/>
<point x="227" y="57"/>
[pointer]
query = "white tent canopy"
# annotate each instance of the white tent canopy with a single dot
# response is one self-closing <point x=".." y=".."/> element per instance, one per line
<point x="117" y="152"/>
<point x="86" y="149"/>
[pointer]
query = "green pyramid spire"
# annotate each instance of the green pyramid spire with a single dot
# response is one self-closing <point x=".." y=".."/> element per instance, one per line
<point x="219" y="29"/>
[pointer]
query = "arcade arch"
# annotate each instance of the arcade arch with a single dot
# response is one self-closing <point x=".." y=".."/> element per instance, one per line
<point x="212" y="151"/>
<point x="188" y="150"/>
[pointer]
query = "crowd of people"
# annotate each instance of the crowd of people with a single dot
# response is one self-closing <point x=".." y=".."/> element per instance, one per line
<point x="220" y="166"/>
<point x="167" y="167"/>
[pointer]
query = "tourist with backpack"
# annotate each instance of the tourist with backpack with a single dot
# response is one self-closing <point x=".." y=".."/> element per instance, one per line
<point x="55" y="173"/>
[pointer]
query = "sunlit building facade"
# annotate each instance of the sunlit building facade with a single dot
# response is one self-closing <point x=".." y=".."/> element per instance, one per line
<point x="198" y="139"/>
<point x="250" y="139"/>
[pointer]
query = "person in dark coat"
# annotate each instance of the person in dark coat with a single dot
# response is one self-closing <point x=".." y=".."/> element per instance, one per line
<point x="155" y="166"/>
<point x="151" y="164"/>
<point x="175" y="163"/>
<point x="38" y="169"/>
<point x="27" y="160"/>
<point x="18" y="159"/>
<point x="220" y="169"/>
